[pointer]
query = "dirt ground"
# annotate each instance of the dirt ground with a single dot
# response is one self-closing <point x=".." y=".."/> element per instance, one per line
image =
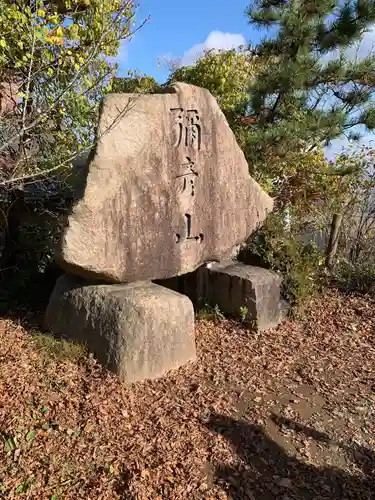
<point x="287" y="414"/>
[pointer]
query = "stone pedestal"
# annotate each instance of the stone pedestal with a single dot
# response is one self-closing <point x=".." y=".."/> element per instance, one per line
<point x="138" y="330"/>
<point x="248" y="291"/>
<point x="236" y="288"/>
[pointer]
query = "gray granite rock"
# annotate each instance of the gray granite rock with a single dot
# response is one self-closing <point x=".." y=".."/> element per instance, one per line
<point x="139" y="330"/>
<point x="168" y="189"/>
<point x="250" y="292"/>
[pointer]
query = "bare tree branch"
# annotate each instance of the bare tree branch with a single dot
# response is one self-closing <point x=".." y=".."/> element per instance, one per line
<point x="43" y="115"/>
<point x="43" y="173"/>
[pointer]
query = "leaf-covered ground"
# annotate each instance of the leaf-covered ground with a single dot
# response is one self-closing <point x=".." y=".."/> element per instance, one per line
<point x="288" y="414"/>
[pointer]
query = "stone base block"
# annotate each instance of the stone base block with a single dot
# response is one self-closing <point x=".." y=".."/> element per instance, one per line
<point x="138" y="330"/>
<point x="238" y="288"/>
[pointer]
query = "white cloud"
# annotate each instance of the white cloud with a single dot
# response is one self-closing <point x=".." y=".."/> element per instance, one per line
<point x="365" y="46"/>
<point x="215" y="40"/>
<point x="341" y="144"/>
<point x="357" y="51"/>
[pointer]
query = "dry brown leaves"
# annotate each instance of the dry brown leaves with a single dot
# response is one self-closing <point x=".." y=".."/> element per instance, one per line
<point x="287" y="414"/>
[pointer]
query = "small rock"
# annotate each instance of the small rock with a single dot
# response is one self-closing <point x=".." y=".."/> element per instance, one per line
<point x="334" y="447"/>
<point x="203" y="487"/>
<point x="361" y="409"/>
<point x="358" y="456"/>
<point x="285" y="483"/>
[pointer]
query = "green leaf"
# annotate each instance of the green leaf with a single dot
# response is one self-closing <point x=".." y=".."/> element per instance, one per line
<point x="54" y="19"/>
<point x="21" y="488"/>
<point x="9" y="445"/>
<point x="30" y="436"/>
<point x="3" y="43"/>
<point x="38" y="33"/>
<point x="73" y="31"/>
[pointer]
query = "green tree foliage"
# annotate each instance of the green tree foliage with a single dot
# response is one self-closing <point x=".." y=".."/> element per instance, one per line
<point x="310" y="91"/>
<point x="134" y="83"/>
<point x="272" y="247"/>
<point x="56" y="62"/>
<point x="226" y="74"/>
<point x="297" y="177"/>
<point x="57" y="56"/>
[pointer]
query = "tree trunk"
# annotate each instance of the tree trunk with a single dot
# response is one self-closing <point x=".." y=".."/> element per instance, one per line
<point x="333" y="240"/>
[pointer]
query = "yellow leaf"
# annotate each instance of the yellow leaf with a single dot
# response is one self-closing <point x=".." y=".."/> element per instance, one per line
<point x="3" y="43"/>
<point x="41" y="12"/>
<point x="54" y="19"/>
<point x="60" y="31"/>
<point x="55" y="40"/>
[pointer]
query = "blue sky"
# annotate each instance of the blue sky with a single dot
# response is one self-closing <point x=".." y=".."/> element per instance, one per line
<point x="177" y="26"/>
<point x="183" y="29"/>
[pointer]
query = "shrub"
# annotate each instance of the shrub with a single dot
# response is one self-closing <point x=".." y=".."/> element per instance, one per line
<point x="273" y="247"/>
<point x="358" y="277"/>
<point x="29" y="281"/>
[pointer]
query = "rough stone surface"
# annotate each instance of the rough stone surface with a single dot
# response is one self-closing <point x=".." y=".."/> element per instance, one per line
<point x="234" y="285"/>
<point x="139" y="330"/>
<point x="167" y="189"/>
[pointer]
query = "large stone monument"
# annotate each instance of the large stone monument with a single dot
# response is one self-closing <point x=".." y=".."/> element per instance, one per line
<point x="167" y="190"/>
